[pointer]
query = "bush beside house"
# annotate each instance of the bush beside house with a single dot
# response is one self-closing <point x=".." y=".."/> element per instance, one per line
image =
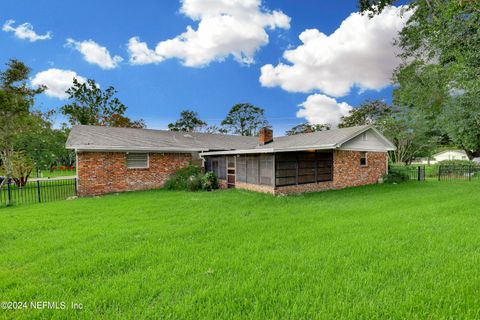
<point x="192" y="178"/>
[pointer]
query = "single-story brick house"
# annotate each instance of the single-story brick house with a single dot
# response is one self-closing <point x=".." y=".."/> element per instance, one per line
<point x="123" y="159"/>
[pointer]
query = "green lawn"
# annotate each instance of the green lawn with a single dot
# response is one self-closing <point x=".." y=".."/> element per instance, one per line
<point x="52" y="174"/>
<point x="408" y="251"/>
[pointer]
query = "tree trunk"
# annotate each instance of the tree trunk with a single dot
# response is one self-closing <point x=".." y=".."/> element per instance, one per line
<point x="472" y="154"/>
<point x="6" y="156"/>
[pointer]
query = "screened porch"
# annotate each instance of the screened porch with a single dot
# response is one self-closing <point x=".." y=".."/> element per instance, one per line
<point x="275" y="170"/>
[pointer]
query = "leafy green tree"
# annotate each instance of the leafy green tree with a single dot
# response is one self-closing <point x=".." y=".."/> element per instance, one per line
<point x="16" y="98"/>
<point x="245" y="119"/>
<point x="42" y="143"/>
<point x="410" y="131"/>
<point x="373" y="112"/>
<point x="440" y="74"/>
<point x="22" y="168"/>
<point x="188" y="122"/>
<point x="92" y="106"/>
<point x="214" y="129"/>
<point x="374" y="6"/>
<point x="306" y="128"/>
<point x="118" y="120"/>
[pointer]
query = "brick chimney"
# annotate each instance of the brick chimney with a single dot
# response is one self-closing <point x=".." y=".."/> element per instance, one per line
<point x="265" y="135"/>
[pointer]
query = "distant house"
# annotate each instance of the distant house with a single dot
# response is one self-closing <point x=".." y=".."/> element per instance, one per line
<point x="123" y="159"/>
<point x="444" y="155"/>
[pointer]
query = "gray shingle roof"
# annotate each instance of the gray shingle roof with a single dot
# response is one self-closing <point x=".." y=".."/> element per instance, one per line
<point x="317" y="139"/>
<point x="108" y="138"/>
<point x="117" y="139"/>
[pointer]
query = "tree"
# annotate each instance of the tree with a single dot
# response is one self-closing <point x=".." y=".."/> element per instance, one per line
<point x="93" y="106"/>
<point x="16" y="98"/>
<point x="118" y="120"/>
<point x="440" y="73"/>
<point x="368" y="113"/>
<point x="42" y="143"/>
<point x="244" y="119"/>
<point x="188" y="122"/>
<point x="411" y="132"/>
<point x="307" y="128"/>
<point x="214" y="129"/>
<point x="22" y="168"/>
<point x="374" y="6"/>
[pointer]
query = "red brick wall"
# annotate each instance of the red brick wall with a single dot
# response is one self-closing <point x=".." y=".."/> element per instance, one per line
<point x="107" y="172"/>
<point x="347" y="171"/>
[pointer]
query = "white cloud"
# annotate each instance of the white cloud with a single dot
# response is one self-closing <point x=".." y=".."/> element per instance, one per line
<point x="321" y="109"/>
<point x="94" y="53"/>
<point x="25" y="31"/>
<point x="359" y="53"/>
<point x="225" y="27"/>
<point x="57" y="81"/>
<point x="141" y="54"/>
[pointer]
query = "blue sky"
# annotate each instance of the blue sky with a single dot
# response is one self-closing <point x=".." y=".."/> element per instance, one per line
<point x="328" y="75"/>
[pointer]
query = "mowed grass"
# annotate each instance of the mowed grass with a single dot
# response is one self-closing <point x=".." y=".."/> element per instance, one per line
<point x="52" y="174"/>
<point x="409" y="251"/>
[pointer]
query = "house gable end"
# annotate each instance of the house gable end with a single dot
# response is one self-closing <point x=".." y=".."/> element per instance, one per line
<point x="368" y="140"/>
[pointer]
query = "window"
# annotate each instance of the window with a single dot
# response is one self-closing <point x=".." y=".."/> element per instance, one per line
<point x="137" y="160"/>
<point x="364" y="136"/>
<point x="363" y="158"/>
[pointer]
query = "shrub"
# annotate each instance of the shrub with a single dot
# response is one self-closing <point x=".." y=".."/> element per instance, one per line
<point x="192" y="178"/>
<point x="179" y="180"/>
<point x="396" y="176"/>
<point x="456" y="163"/>
<point x="209" y="181"/>
<point x="194" y="183"/>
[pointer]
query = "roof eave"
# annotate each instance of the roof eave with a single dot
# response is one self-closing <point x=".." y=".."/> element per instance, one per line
<point x="268" y="150"/>
<point x="87" y="148"/>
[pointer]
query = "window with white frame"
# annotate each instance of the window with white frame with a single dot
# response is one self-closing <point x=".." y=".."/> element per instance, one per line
<point x="137" y="160"/>
<point x="363" y="158"/>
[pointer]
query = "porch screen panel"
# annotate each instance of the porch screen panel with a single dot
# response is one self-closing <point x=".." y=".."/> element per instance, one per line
<point x="324" y="166"/>
<point x="222" y="168"/>
<point x="286" y="168"/>
<point x="293" y="168"/>
<point x="306" y="167"/>
<point x="252" y="169"/>
<point x="266" y="169"/>
<point x="241" y="170"/>
<point x="217" y="165"/>
<point x="208" y="164"/>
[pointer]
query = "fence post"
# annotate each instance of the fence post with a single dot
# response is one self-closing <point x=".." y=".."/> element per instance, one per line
<point x="9" y="192"/>
<point x="418" y="173"/>
<point x="76" y="187"/>
<point x="470" y="173"/>
<point x="439" y="170"/>
<point x="38" y="191"/>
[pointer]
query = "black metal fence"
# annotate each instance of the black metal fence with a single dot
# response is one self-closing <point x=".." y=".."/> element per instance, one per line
<point x="438" y="172"/>
<point x="470" y="173"/>
<point x="37" y="191"/>
<point x="416" y="173"/>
